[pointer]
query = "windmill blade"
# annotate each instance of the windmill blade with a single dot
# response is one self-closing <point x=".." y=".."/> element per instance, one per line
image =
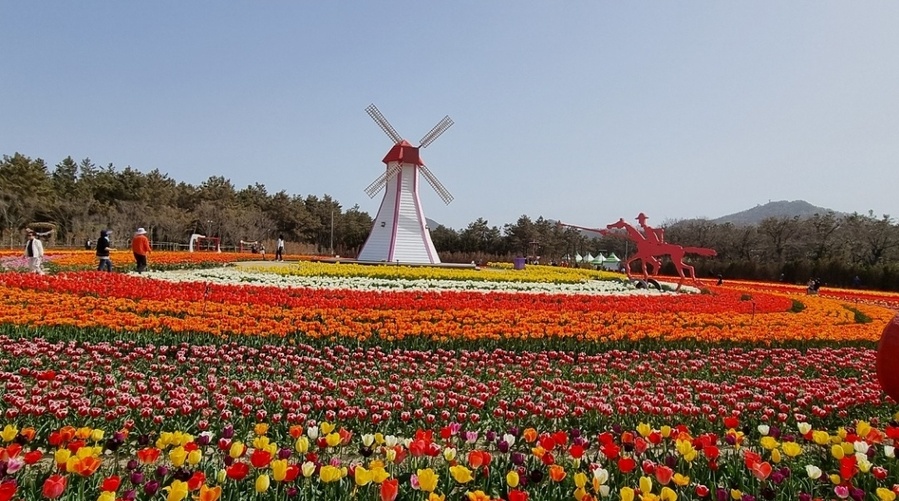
<point x="434" y="133"/>
<point x="437" y="185"/>
<point x="382" y="122"/>
<point x="381" y="181"/>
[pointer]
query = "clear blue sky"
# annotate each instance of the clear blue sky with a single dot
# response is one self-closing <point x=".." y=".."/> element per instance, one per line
<point x="578" y="111"/>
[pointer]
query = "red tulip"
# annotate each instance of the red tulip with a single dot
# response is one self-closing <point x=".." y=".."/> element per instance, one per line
<point x="237" y="471"/>
<point x="111" y="483"/>
<point x="54" y="486"/>
<point x="390" y="488"/>
<point x="7" y="490"/>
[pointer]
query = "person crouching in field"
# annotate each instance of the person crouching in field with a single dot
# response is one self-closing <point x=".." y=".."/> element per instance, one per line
<point x="34" y="251"/>
<point x="140" y="245"/>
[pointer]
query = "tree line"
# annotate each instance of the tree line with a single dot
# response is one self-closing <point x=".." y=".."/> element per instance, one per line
<point x="81" y="198"/>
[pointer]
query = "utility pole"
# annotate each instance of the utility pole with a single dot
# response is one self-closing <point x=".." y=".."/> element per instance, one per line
<point x="332" y="232"/>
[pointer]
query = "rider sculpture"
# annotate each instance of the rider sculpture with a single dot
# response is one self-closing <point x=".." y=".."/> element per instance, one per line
<point x="651" y="245"/>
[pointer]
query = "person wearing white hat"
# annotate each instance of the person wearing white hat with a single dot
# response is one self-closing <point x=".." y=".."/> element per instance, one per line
<point x="140" y="245"/>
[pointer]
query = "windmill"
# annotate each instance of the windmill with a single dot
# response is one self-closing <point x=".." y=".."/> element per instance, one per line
<point x="400" y="232"/>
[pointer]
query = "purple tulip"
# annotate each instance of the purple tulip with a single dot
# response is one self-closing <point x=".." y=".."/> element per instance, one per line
<point x="151" y="487"/>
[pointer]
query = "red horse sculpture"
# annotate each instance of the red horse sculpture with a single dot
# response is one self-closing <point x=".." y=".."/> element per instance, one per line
<point x="651" y="245"/>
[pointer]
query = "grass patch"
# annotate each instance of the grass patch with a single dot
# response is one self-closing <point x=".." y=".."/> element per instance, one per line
<point x="860" y="318"/>
<point x="798" y="306"/>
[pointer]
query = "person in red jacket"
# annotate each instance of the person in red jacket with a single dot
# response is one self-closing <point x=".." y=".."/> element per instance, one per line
<point x="140" y="245"/>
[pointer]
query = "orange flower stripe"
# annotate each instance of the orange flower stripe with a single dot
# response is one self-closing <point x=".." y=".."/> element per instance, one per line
<point x="126" y="303"/>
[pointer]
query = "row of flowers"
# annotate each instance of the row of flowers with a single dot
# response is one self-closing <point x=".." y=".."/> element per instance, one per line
<point x="121" y="380"/>
<point x="122" y="302"/>
<point x="329" y="461"/>
<point x="124" y="259"/>
<point x="305" y="276"/>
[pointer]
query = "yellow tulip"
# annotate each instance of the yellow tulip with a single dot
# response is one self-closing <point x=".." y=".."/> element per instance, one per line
<point x="835" y="479"/>
<point x="390" y="454"/>
<point x="436" y="497"/>
<point x="644" y="429"/>
<point x="668" y="494"/>
<point x="627" y="494"/>
<point x="221" y="475"/>
<point x="262" y="483"/>
<point x="326" y="427"/>
<point x="302" y="445"/>
<point x="579" y="493"/>
<point x="177" y="491"/>
<point x="261" y="442"/>
<point x="62" y="456"/>
<point x="768" y="442"/>
<point x="512" y="478"/>
<point x="308" y="469"/>
<point x="279" y="469"/>
<point x="329" y="473"/>
<point x="106" y="496"/>
<point x="97" y="435"/>
<point x="332" y="439"/>
<point x="260" y="428"/>
<point x="9" y="433"/>
<point x="775" y="456"/>
<point x="427" y="479"/>
<point x="736" y="494"/>
<point x="378" y="473"/>
<point x="820" y="437"/>
<point x="362" y="477"/>
<point x="645" y="485"/>
<point x="237" y="449"/>
<point x="194" y="457"/>
<point x="848" y="448"/>
<point x="379" y="438"/>
<point x="680" y="480"/>
<point x="837" y="451"/>
<point x="178" y="455"/>
<point x="666" y="431"/>
<point x="884" y="494"/>
<point x="792" y="449"/>
<point x="449" y="453"/>
<point x="461" y="474"/>
<point x="580" y="479"/>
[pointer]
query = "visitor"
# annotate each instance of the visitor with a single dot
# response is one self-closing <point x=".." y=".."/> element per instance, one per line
<point x="88" y="244"/>
<point x="262" y="251"/>
<point x="279" y="249"/>
<point x="103" y="248"/>
<point x="140" y="245"/>
<point x="34" y="251"/>
<point x="254" y="249"/>
<point x="856" y="282"/>
<point x="720" y="279"/>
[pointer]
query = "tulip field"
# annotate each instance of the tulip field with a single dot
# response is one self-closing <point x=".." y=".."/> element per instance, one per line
<point x="206" y="381"/>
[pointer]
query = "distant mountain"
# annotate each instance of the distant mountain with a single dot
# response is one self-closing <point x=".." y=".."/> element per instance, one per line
<point x="779" y="209"/>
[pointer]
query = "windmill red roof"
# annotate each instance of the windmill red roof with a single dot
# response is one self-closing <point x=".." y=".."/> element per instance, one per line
<point x="404" y="153"/>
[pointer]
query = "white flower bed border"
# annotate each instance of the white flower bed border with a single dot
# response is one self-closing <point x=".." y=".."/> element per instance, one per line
<point x="232" y="276"/>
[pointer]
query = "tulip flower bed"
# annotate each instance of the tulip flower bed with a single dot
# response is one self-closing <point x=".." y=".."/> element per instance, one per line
<point x="73" y="260"/>
<point x="237" y="384"/>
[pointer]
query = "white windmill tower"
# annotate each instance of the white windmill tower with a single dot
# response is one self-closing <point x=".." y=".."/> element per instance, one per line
<point x="400" y="232"/>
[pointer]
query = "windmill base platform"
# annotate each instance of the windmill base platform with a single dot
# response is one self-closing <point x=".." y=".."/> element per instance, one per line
<point x="340" y="260"/>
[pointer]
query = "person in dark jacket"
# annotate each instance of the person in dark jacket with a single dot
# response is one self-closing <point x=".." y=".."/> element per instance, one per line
<point x="103" y="248"/>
